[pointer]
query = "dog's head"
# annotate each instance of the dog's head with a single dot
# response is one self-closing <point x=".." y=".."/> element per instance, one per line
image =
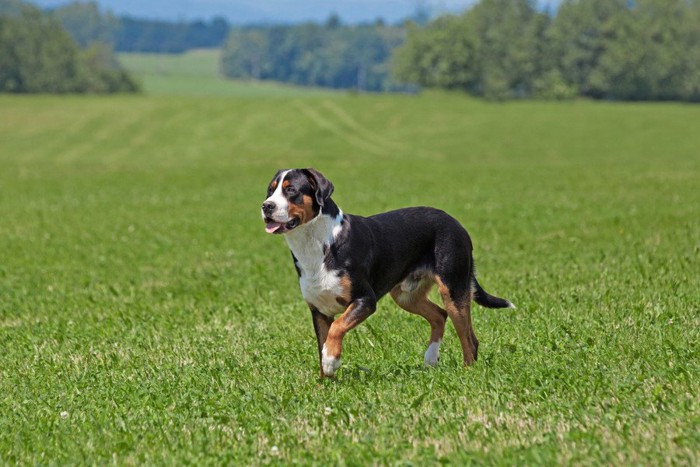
<point x="294" y="197"/>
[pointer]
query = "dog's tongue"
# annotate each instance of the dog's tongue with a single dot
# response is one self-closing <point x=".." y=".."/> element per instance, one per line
<point x="271" y="227"/>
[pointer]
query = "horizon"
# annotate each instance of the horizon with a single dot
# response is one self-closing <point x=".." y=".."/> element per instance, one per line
<point x="245" y="12"/>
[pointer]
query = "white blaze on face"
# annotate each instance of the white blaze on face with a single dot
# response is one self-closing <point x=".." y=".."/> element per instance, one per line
<point x="281" y="213"/>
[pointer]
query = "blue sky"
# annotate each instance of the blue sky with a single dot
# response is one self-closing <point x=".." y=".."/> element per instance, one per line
<point x="255" y="11"/>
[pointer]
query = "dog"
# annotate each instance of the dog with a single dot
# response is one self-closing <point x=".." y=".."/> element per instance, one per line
<point x="346" y="263"/>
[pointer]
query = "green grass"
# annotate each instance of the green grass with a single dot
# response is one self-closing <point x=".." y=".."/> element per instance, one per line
<point x="196" y="73"/>
<point x="146" y="318"/>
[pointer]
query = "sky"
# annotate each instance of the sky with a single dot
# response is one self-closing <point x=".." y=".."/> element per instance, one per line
<point x="274" y="11"/>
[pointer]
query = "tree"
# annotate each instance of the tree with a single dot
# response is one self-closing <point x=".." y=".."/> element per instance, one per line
<point x="508" y="56"/>
<point x="616" y="49"/>
<point x="86" y="24"/>
<point x="244" y="54"/>
<point x="492" y="50"/>
<point x="441" y="55"/>
<point x="579" y="35"/>
<point x="37" y="55"/>
<point x="645" y="57"/>
<point x="331" y="55"/>
<point x="105" y="74"/>
<point x="690" y="87"/>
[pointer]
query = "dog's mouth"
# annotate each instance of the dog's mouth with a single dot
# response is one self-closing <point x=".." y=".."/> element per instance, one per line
<point x="274" y="227"/>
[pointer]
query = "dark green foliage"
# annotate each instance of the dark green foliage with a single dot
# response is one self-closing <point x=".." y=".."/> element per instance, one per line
<point x="438" y="56"/>
<point x="37" y="55"/>
<point x="332" y="55"/>
<point x="496" y="50"/>
<point x="87" y="25"/>
<point x="106" y="74"/>
<point x="612" y="49"/>
<point x="508" y="51"/>
<point x="138" y="35"/>
<point x="578" y="41"/>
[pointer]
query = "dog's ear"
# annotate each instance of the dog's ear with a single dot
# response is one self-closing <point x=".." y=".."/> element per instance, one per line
<point x="322" y="186"/>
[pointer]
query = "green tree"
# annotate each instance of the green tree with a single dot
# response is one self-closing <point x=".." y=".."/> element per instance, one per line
<point x="441" y="55"/>
<point x="579" y="36"/>
<point x="105" y="74"/>
<point x="616" y="49"/>
<point x="86" y="24"/>
<point x="690" y="87"/>
<point x="37" y="55"/>
<point x="331" y="55"/>
<point x="509" y="53"/>
<point x="645" y="55"/>
<point x="245" y="54"/>
<point x="493" y="50"/>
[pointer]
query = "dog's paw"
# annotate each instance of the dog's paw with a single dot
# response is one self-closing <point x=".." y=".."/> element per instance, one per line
<point x="329" y="364"/>
<point x="432" y="355"/>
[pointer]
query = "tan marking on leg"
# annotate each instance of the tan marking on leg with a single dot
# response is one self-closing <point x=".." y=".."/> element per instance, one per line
<point x="460" y="314"/>
<point x="417" y="302"/>
<point x="341" y="326"/>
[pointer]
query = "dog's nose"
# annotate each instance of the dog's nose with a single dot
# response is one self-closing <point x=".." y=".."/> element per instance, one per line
<point x="268" y="207"/>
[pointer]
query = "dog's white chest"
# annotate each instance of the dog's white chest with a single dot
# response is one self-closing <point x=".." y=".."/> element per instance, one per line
<point x="322" y="288"/>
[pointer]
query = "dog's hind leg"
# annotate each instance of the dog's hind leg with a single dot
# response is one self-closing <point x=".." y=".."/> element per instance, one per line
<point x="412" y="297"/>
<point x="457" y="299"/>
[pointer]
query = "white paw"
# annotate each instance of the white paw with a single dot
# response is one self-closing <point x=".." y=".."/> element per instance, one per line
<point x="432" y="355"/>
<point x="329" y="363"/>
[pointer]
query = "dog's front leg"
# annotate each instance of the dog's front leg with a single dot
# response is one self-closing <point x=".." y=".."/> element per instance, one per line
<point x="322" y="324"/>
<point x="356" y="313"/>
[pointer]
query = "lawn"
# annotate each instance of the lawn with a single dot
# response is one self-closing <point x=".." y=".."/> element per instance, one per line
<point x="146" y="317"/>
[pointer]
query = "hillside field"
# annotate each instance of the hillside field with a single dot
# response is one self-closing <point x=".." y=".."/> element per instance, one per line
<point x="196" y="73"/>
<point x="146" y="317"/>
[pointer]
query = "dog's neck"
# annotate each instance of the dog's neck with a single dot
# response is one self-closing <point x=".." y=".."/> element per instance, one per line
<point x="309" y="240"/>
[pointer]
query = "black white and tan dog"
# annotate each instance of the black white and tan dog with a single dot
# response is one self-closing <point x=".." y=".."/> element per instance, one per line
<point x="346" y="263"/>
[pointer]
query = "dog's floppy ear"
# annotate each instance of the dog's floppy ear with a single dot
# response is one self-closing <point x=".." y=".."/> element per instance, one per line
<point x="322" y="186"/>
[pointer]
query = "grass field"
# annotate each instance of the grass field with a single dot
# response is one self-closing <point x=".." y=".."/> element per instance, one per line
<point x="146" y="318"/>
<point x="196" y="73"/>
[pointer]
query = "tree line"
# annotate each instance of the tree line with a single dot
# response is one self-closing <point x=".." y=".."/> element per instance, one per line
<point x="330" y="55"/>
<point x="498" y="49"/>
<point x="604" y="49"/>
<point x="38" y="55"/>
<point x="87" y="24"/>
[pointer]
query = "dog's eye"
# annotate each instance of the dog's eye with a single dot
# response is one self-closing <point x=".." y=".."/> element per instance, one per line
<point x="290" y="190"/>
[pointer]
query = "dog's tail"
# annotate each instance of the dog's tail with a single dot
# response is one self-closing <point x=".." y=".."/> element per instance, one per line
<point x="483" y="298"/>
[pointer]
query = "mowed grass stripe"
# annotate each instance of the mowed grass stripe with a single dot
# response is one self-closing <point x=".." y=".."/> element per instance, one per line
<point x="146" y="317"/>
